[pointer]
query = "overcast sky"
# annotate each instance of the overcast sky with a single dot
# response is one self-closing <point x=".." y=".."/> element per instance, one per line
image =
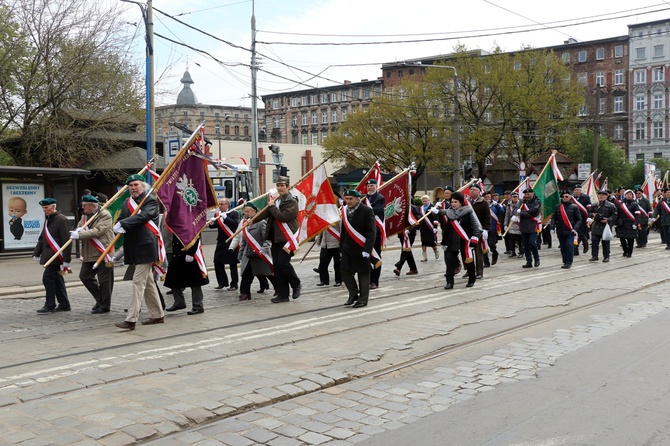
<point x="425" y="28"/>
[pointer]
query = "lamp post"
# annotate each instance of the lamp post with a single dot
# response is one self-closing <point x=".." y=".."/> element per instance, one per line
<point x="147" y="16"/>
<point x="456" y="174"/>
<point x="255" y="162"/>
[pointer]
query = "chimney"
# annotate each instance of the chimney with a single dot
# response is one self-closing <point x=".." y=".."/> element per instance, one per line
<point x="347" y="82"/>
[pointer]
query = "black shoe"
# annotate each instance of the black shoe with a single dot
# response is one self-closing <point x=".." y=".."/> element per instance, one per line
<point x="448" y="286"/>
<point x="176" y="307"/>
<point x="261" y="291"/>
<point x="95" y="307"/>
<point x="59" y="308"/>
<point x="321" y="284"/>
<point x="220" y="287"/>
<point x="232" y="288"/>
<point x="520" y="256"/>
<point x="470" y="285"/>
<point x="527" y="265"/>
<point x="396" y="272"/>
<point x="351" y="300"/>
<point x="537" y="263"/>
<point x="316" y="270"/>
<point x="373" y="286"/>
<point x="566" y="266"/>
<point x="593" y="259"/>
<point x="100" y="311"/>
<point x="337" y="284"/>
<point x="194" y="311"/>
<point x="487" y="264"/>
<point x="359" y="305"/>
<point x="465" y="276"/>
<point x="276" y="300"/>
<point x="513" y="254"/>
<point x="606" y="259"/>
<point x="479" y="276"/>
<point x="297" y="291"/>
<point x="586" y="247"/>
<point x="45" y="310"/>
<point x="168" y="292"/>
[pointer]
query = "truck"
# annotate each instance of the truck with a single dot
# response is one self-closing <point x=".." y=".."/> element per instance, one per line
<point x="232" y="181"/>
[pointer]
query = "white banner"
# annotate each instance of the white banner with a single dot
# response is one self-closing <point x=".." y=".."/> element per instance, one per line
<point x="23" y="217"/>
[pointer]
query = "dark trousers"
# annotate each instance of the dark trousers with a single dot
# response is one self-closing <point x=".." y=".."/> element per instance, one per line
<point x="529" y="242"/>
<point x="54" y="285"/>
<point x="567" y="247"/>
<point x="451" y="260"/>
<point x="248" y="278"/>
<point x="642" y="236"/>
<point x="493" y="249"/>
<point x="285" y="275"/>
<point x="376" y="272"/>
<point x="546" y="236"/>
<point x="99" y="282"/>
<point x="665" y="235"/>
<point x="407" y="256"/>
<point x="595" y="242"/>
<point x="627" y="244"/>
<point x="222" y="277"/>
<point x="479" y="259"/>
<point x="196" y="297"/>
<point x="325" y="257"/>
<point x="359" y="291"/>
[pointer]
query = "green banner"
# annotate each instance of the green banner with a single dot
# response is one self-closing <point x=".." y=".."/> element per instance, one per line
<point x="114" y="208"/>
<point x="546" y="189"/>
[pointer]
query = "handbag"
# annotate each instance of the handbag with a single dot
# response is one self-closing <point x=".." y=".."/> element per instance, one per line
<point x="607" y="233"/>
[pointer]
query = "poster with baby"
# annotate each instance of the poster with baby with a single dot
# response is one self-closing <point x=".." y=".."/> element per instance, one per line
<point x="22" y="217"/>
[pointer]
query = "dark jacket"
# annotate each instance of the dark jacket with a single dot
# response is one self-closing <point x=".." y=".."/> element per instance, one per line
<point x="574" y="216"/>
<point x="465" y="215"/>
<point x="183" y="274"/>
<point x="645" y="205"/>
<point x="247" y="256"/>
<point x="59" y="227"/>
<point x="600" y="211"/>
<point x="427" y="227"/>
<point x="627" y="228"/>
<point x="662" y="212"/>
<point x="287" y="212"/>
<point x="363" y="220"/>
<point x="483" y="213"/>
<point x="377" y="203"/>
<point x="140" y="245"/>
<point x="528" y="221"/>
<point x="585" y="201"/>
<point x="222" y="253"/>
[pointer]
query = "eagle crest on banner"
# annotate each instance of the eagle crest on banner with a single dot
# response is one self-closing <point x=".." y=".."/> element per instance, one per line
<point x="188" y="192"/>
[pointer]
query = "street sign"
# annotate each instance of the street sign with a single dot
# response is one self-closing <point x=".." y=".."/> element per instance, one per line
<point x="583" y="171"/>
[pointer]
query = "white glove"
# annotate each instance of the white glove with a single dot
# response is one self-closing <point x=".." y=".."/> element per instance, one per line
<point x="514" y="219"/>
<point x="64" y="266"/>
<point x="434" y="210"/>
<point x="634" y="226"/>
<point x="518" y="211"/>
<point x="35" y="258"/>
<point x="434" y="230"/>
<point x="589" y="221"/>
<point x="574" y="232"/>
<point x="651" y="221"/>
<point x="74" y="235"/>
<point x="485" y="235"/>
<point x="365" y="254"/>
<point x="118" y="229"/>
<point x="189" y="258"/>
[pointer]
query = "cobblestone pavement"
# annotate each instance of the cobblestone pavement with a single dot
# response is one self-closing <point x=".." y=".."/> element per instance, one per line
<point x="297" y="373"/>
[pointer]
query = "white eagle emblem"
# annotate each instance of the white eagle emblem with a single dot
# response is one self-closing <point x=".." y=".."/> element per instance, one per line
<point x="393" y="208"/>
<point x="187" y="192"/>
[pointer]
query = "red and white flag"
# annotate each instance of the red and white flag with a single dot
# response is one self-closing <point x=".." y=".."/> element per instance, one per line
<point x="396" y="193"/>
<point x="374" y="173"/>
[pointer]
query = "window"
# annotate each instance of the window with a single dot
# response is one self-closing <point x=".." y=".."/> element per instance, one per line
<point x="275" y="104"/>
<point x="618" y="77"/>
<point x="333" y="97"/>
<point x="226" y="128"/>
<point x="217" y="129"/>
<point x="618" y="104"/>
<point x="602" y="105"/>
<point x="304" y="139"/>
<point x="294" y="139"/>
<point x="400" y="73"/>
<point x="639" y="156"/>
<point x="659" y="31"/>
<point x="600" y="79"/>
<point x="640" y="53"/>
<point x="366" y="93"/>
<point x="345" y="96"/>
<point x="185" y="113"/>
<point x="334" y="116"/>
<point x="294" y="121"/>
<point x="582" y="56"/>
<point x="582" y="78"/>
<point x="600" y="53"/>
<point x="237" y="130"/>
<point x="565" y="57"/>
<point x="202" y="114"/>
<point x="324" y="117"/>
<point x="618" y="132"/>
<point x="314" y="99"/>
<point x="246" y="130"/>
<point x="640" y="76"/>
<point x="582" y="110"/>
<point x="517" y="66"/>
<point x="487" y="116"/>
<point x="344" y="114"/>
<point x="657" y="128"/>
<point x="659" y="74"/>
<point x="324" y="98"/>
<point x="303" y="100"/>
<point x="618" y="51"/>
<point x="295" y="102"/>
<point x="304" y="119"/>
<point x="639" y="131"/>
<point x="640" y="102"/>
<point x="658" y="51"/>
<point x="315" y="138"/>
<point x="216" y="115"/>
<point x="658" y="101"/>
<point x="314" y="119"/>
<point x="658" y="155"/>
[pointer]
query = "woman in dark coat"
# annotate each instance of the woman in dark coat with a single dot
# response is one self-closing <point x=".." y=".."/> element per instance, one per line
<point x="460" y="234"/>
<point x="629" y="219"/>
<point x="185" y="272"/>
<point x="428" y="230"/>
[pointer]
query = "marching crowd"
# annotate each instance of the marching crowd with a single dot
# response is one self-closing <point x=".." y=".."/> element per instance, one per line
<point x="464" y="230"/>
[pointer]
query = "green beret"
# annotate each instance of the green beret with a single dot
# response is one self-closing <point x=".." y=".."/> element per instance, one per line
<point x="249" y="204"/>
<point x="48" y="201"/>
<point x="352" y="193"/>
<point x="135" y="177"/>
<point x="89" y="199"/>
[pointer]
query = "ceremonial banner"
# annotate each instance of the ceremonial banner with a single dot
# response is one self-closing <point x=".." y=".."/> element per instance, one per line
<point x="396" y="193"/>
<point x="316" y="203"/>
<point x="114" y="209"/>
<point x="187" y="193"/>
<point x="546" y="189"/>
<point x="374" y="173"/>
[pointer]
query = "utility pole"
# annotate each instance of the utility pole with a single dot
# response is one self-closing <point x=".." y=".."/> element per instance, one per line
<point x="255" y="162"/>
<point x="596" y="131"/>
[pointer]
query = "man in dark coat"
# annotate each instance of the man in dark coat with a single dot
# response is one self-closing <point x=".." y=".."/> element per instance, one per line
<point x="645" y="206"/>
<point x="55" y="233"/>
<point x="567" y="219"/>
<point x="226" y="224"/>
<point x="629" y="214"/>
<point x="356" y="244"/>
<point x="140" y="249"/>
<point x="254" y="253"/>
<point x="186" y="270"/>
<point x="282" y="228"/>
<point x="483" y="213"/>
<point x="583" y="203"/>
<point x="377" y="202"/>
<point x="662" y="213"/>
<point x="528" y="214"/>
<point x="601" y="214"/>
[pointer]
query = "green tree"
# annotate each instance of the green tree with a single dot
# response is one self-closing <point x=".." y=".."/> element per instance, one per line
<point x="637" y="170"/>
<point x="401" y="127"/>
<point x="75" y="56"/>
<point x="612" y="160"/>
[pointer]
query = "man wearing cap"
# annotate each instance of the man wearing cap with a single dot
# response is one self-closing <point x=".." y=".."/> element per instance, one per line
<point x="567" y="219"/>
<point x="55" y="233"/>
<point x="511" y="225"/>
<point x="282" y="230"/>
<point x="95" y="237"/>
<point x="507" y="197"/>
<point x="483" y="213"/>
<point x="600" y="214"/>
<point x="254" y="252"/>
<point x="662" y="213"/>
<point x="528" y="213"/>
<point x="377" y="202"/>
<point x="140" y="248"/>
<point x="645" y="205"/>
<point x="583" y="203"/>
<point x="226" y="223"/>
<point x="356" y="243"/>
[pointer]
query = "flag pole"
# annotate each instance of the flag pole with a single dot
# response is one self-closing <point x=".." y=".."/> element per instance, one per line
<point x="184" y="149"/>
<point x="95" y="216"/>
<point x="253" y="219"/>
<point x="404" y="172"/>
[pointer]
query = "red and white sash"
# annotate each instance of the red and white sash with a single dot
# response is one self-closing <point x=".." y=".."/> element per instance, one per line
<point x="627" y="211"/>
<point x="469" y="254"/>
<point x="224" y="227"/>
<point x="54" y="246"/>
<point x="357" y="236"/>
<point x="291" y="238"/>
<point x="538" y="219"/>
<point x="497" y="220"/>
<point x="256" y="247"/>
<point x="154" y="229"/>
<point x="565" y="219"/>
<point x="666" y="206"/>
<point x="200" y="259"/>
<point x="97" y="244"/>
<point x="581" y="207"/>
<point x="406" y="244"/>
<point x="334" y="232"/>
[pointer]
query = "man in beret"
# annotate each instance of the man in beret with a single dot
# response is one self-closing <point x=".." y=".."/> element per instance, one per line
<point x="567" y="219"/>
<point x="529" y="212"/>
<point x="281" y="229"/>
<point x="356" y="243"/>
<point x="601" y="214"/>
<point x="55" y="233"/>
<point x="226" y="223"/>
<point x="95" y="237"/>
<point x="583" y="203"/>
<point x="662" y="212"/>
<point x="377" y="202"/>
<point x="140" y="248"/>
<point x="645" y="205"/>
<point x="483" y="213"/>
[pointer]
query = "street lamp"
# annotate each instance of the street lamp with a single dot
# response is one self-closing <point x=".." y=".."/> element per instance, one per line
<point x="456" y="173"/>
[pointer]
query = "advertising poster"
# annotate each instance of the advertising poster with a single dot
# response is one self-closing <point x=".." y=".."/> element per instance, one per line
<point x="22" y="215"/>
